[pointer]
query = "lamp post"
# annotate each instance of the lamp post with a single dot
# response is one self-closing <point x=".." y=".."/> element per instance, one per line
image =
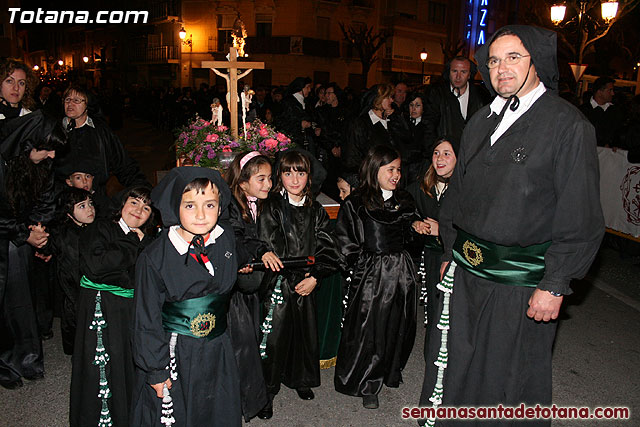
<point x="423" y="58"/>
<point x="188" y="42"/>
<point x="585" y="22"/>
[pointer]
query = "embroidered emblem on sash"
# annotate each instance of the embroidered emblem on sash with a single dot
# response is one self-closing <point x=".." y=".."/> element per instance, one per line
<point x="472" y="253"/>
<point x="203" y="324"/>
<point x="519" y="155"/>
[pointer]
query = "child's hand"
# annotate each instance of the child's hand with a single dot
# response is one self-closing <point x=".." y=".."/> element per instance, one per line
<point x="160" y="387"/>
<point x="307" y="285"/>
<point x="138" y="232"/>
<point x="272" y="262"/>
<point x="246" y="270"/>
<point x="37" y="236"/>
<point x="45" y="258"/>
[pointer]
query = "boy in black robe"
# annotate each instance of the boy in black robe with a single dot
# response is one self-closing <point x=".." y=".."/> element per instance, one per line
<point x="181" y="301"/>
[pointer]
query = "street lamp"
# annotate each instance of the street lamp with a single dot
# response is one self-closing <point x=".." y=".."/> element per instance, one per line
<point x="187" y="42"/>
<point x="423" y="58"/>
<point x="85" y="59"/>
<point x="60" y="62"/>
<point x="36" y="68"/>
<point x="586" y="26"/>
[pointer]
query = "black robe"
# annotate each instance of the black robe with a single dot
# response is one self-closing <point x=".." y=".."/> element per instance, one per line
<point x="207" y="391"/>
<point x="429" y="253"/>
<point x="380" y="319"/>
<point x="108" y="256"/>
<point x="538" y="183"/>
<point x="292" y="345"/>
<point x="244" y="315"/>
<point x="64" y="245"/>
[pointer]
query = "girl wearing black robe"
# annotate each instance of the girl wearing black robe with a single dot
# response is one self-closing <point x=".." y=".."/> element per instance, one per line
<point x="249" y="178"/>
<point x="292" y="224"/>
<point x="379" y="326"/>
<point x="108" y="253"/>
<point x="204" y="377"/>
<point x="64" y="246"/>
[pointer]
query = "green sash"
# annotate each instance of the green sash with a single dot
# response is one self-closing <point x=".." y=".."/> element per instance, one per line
<point x="204" y="317"/>
<point x="509" y="265"/>
<point x="116" y="290"/>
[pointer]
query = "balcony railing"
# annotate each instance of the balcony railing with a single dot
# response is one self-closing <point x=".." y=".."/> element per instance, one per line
<point x="155" y="55"/>
<point x="161" y="10"/>
<point x="282" y="46"/>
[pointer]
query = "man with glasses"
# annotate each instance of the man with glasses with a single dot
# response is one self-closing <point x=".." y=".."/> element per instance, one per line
<point x="521" y="220"/>
<point x="94" y="144"/>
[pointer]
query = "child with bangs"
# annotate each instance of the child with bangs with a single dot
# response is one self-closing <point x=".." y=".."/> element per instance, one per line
<point x="293" y="224"/>
<point x="74" y="211"/>
<point x="249" y="178"/>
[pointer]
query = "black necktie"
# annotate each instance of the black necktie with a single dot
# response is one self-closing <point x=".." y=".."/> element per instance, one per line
<point x="413" y="121"/>
<point x="197" y="250"/>
<point x="71" y="125"/>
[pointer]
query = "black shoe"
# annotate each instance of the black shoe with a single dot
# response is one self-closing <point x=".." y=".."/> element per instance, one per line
<point x="12" y="385"/>
<point x="370" y="401"/>
<point x="266" y="412"/>
<point x="34" y="377"/>
<point x="305" y="393"/>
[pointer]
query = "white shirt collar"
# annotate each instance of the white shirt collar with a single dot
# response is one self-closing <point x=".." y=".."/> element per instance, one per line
<point x="300" y="97"/>
<point x="293" y="202"/>
<point x="594" y="104"/>
<point x="510" y="117"/>
<point x="417" y="120"/>
<point x="463" y="100"/>
<point x="375" y="119"/>
<point x="386" y="194"/>
<point x="182" y="246"/>
<point x="88" y="122"/>
<point x="124" y="226"/>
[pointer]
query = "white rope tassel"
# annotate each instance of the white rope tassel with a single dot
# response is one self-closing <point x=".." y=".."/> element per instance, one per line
<point x="422" y="272"/>
<point x="167" y="418"/>
<point x="446" y="286"/>
<point x="345" y="300"/>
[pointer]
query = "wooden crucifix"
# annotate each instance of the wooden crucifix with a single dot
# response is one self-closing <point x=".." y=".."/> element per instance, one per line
<point x="233" y="67"/>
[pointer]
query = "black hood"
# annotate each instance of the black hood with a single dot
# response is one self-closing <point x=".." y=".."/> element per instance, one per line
<point x="167" y="194"/>
<point x="542" y="46"/>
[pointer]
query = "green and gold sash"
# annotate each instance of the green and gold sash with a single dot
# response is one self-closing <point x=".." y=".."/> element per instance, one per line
<point x="203" y="317"/>
<point x="509" y="265"/>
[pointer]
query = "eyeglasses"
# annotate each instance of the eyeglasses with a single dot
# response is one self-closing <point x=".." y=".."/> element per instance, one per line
<point x="74" y="100"/>
<point x="512" y="59"/>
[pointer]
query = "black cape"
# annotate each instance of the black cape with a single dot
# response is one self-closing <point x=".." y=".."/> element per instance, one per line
<point x="244" y="315"/>
<point x="292" y="346"/>
<point x="380" y="319"/>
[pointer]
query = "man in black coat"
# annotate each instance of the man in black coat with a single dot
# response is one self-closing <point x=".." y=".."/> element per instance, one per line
<point x="450" y="105"/>
<point x="606" y="117"/>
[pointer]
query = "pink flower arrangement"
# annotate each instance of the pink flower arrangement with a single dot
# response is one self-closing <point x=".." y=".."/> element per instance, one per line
<point x="264" y="138"/>
<point x="202" y="142"/>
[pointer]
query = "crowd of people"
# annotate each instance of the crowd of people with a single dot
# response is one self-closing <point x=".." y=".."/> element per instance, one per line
<point x="191" y="303"/>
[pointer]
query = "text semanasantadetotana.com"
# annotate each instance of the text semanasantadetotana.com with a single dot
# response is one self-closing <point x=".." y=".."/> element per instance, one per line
<point x="41" y="16"/>
<point x="521" y="412"/>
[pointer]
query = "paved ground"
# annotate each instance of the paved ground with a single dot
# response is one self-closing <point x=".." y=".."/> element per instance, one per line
<point x="596" y="356"/>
